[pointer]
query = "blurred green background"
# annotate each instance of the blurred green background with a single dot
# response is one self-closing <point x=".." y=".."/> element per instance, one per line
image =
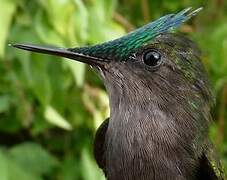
<point x="50" y="108"/>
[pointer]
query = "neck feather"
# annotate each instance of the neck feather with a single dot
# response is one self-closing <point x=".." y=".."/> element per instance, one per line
<point x="155" y="132"/>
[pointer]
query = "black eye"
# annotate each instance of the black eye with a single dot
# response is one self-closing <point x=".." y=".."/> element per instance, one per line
<point x="152" y="58"/>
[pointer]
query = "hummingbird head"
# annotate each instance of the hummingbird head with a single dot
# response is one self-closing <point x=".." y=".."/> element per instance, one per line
<point x="149" y="62"/>
<point x="156" y="84"/>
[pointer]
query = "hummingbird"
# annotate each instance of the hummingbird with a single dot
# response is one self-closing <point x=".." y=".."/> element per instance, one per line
<point x="160" y="103"/>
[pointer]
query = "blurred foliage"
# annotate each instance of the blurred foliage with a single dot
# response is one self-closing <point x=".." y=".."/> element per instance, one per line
<point x="50" y="108"/>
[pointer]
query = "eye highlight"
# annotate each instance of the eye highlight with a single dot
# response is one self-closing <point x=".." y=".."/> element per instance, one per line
<point x="152" y="58"/>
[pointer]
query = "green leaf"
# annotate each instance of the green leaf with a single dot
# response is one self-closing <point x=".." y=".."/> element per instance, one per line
<point x="219" y="54"/>
<point x="32" y="158"/>
<point x="45" y="32"/>
<point x="98" y="18"/>
<point x="109" y="6"/>
<point x="4" y="103"/>
<point x="7" y="9"/>
<point x="78" y="71"/>
<point x="70" y="168"/>
<point x="16" y="172"/>
<point x="40" y="79"/>
<point x="80" y="23"/>
<point x="90" y="170"/>
<point x="53" y="117"/>
<point x="10" y="170"/>
<point x="59" y="13"/>
<point x="3" y="167"/>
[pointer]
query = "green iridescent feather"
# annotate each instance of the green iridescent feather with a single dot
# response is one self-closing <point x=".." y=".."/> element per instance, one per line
<point x="121" y="48"/>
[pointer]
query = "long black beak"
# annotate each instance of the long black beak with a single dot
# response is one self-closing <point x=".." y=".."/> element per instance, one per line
<point x="91" y="60"/>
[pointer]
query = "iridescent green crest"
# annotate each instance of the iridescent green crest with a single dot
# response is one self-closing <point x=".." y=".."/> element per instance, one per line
<point x="121" y="48"/>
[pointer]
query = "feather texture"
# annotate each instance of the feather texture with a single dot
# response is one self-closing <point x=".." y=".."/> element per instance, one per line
<point x="121" y="48"/>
